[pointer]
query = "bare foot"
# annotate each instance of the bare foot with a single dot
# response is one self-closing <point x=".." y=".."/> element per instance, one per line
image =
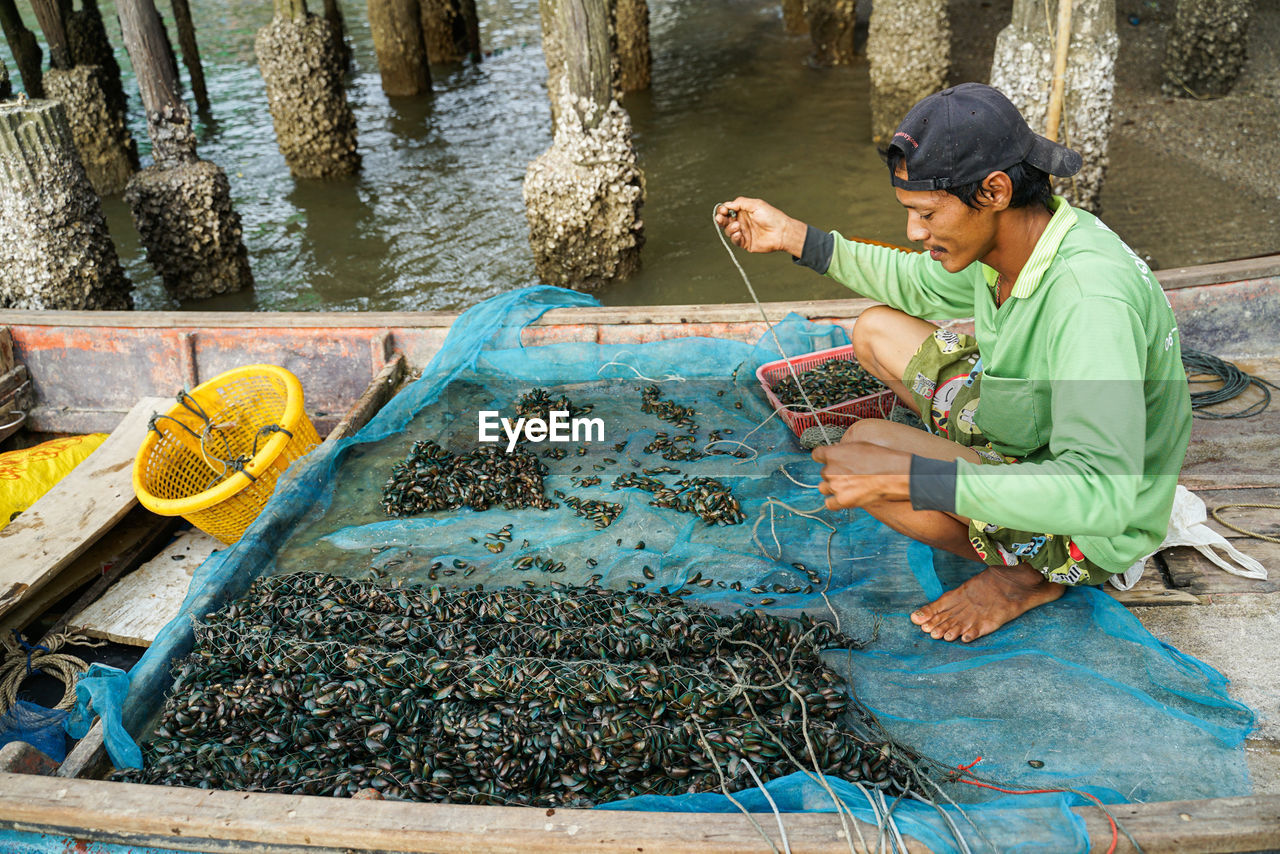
<point x="986" y="602"/>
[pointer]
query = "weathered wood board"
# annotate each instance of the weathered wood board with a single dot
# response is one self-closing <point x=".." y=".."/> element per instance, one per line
<point x="139" y="605"/>
<point x="59" y="527"/>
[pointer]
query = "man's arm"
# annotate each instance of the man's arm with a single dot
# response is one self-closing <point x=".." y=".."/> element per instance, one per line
<point x="757" y="226"/>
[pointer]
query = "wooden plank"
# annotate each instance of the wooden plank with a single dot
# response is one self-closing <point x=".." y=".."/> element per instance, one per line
<point x="119" y="547"/>
<point x="1193" y="573"/>
<point x="1220" y="272"/>
<point x="1151" y="590"/>
<point x="64" y="523"/>
<point x="7" y="360"/>
<point x="182" y="817"/>
<point x="142" y="603"/>
<point x="380" y="390"/>
<point x="88" y="756"/>
<point x="392" y="320"/>
<point x="1172" y="827"/>
<point x="191" y="819"/>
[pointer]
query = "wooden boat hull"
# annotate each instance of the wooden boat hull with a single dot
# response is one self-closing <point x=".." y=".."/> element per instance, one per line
<point x="88" y="369"/>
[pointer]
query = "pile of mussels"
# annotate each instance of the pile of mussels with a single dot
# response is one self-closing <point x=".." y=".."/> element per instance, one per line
<point x="432" y="478"/>
<point x="834" y="381"/>
<point x="313" y="684"/>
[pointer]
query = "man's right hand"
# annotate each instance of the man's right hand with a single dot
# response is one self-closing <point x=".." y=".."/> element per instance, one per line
<point x="760" y="227"/>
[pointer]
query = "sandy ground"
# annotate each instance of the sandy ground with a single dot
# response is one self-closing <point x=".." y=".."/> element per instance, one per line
<point x="1191" y="175"/>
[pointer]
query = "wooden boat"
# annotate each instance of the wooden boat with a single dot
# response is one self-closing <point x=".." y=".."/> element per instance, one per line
<point x="89" y="369"/>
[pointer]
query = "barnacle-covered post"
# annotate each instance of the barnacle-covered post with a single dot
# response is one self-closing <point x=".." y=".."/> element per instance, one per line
<point x="55" y="252"/>
<point x="1204" y="51"/>
<point x="1023" y="70"/>
<point x="631" y="24"/>
<point x="450" y="30"/>
<point x="315" y="128"/>
<point x="909" y="51"/>
<point x="191" y="54"/>
<point x="333" y="14"/>
<point x="793" y="17"/>
<point x="87" y="39"/>
<point x="396" y="26"/>
<point x="24" y="47"/>
<point x="98" y="126"/>
<point x="831" y="26"/>
<point x="181" y="205"/>
<point x="583" y="196"/>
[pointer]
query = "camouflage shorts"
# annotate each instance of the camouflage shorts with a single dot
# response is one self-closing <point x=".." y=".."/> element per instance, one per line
<point x="945" y="379"/>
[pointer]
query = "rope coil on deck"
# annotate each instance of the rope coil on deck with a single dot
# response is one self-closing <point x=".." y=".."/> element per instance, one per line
<point x="22" y="659"/>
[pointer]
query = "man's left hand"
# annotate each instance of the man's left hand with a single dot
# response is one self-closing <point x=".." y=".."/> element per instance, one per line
<point x="855" y="474"/>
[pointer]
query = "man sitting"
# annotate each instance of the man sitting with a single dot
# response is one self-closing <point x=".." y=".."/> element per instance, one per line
<point x="1065" y="474"/>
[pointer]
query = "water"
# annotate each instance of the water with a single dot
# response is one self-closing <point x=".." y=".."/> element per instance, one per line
<point x="435" y="218"/>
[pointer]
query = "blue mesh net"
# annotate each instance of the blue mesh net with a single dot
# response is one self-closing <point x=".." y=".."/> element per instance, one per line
<point x="37" y="726"/>
<point x="1075" y="694"/>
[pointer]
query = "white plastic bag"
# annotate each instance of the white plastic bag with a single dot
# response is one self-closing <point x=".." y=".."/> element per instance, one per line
<point x="1187" y="528"/>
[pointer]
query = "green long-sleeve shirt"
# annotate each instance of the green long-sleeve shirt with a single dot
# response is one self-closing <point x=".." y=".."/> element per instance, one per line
<point x="1082" y="381"/>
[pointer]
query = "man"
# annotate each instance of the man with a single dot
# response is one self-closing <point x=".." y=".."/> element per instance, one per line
<point x="1065" y="473"/>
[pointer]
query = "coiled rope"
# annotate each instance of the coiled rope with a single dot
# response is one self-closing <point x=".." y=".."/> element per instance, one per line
<point x="22" y="659"/>
<point x="1234" y="382"/>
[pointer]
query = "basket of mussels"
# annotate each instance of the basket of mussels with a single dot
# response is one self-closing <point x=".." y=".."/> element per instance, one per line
<point x="839" y="390"/>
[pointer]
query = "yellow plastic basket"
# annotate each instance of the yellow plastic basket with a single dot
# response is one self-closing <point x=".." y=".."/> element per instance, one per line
<point x="214" y="458"/>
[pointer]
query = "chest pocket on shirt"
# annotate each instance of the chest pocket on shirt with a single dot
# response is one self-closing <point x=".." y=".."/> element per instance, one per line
<point x="1013" y="414"/>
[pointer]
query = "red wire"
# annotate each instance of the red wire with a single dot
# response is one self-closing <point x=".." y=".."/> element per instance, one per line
<point x="1115" y="832"/>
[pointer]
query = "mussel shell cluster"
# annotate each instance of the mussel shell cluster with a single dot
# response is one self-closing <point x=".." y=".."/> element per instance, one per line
<point x="834" y="381"/>
<point x="314" y="684"/>
<point x="431" y="478"/>
<point x="538" y="403"/>
<point x="709" y="499"/>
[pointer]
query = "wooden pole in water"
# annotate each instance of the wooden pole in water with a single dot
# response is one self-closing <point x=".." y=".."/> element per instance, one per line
<point x="25" y="49"/>
<point x="181" y="206"/>
<point x="191" y="54"/>
<point x="54" y="27"/>
<point x="450" y="30"/>
<point x="635" y="58"/>
<point x="793" y="17"/>
<point x="146" y="41"/>
<point x="1054" y="118"/>
<point x="584" y="34"/>
<point x="396" y="26"/>
<point x="333" y="14"/>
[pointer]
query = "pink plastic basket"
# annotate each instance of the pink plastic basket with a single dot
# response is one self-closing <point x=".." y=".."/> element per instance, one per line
<point x="877" y="405"/>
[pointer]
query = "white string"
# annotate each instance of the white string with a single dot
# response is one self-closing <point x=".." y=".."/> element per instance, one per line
<point x="786" y="846"/>
<point x="783" y="468"/>
<point x="666" y="379"/>
<point x="791" y="369"/>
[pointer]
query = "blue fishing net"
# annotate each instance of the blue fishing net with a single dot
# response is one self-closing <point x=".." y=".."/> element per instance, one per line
<point x="37" y="726"/>
<point x="1074" y="695"/>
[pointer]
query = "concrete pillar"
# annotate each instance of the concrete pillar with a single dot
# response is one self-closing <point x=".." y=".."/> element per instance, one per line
<point x="450" y="30"/>
<point x="909" y="51"/>
<point x="1023" y="70"/>
<point x="583" y="196"/>
<point x="181" y="206"/>
<point x="107" y="150"/>
<point x="793" y="17"/>
<point x="55" y="252"/>
<point x="315" y="128"/>
<point x="1204" y="51"/>
<point x="396" y="26"/>
<point x="631" y="24"/>
<point x="25" y="48"/>
<point x="831" y="26"/>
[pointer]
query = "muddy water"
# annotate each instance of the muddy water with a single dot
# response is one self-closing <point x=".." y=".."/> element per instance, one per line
<point x="435" y="218"/>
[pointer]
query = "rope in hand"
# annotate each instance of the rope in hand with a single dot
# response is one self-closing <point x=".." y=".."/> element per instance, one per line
<point x="22" y="659"/>
<point x="1234" y="382"/>
<point x="763" y="316"/>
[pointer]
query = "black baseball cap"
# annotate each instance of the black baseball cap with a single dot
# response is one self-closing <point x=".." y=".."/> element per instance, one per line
<point x="962" y="134"/>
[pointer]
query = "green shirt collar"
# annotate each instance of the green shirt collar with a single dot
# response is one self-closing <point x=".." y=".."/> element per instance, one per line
<point x="1046" y="248"/>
